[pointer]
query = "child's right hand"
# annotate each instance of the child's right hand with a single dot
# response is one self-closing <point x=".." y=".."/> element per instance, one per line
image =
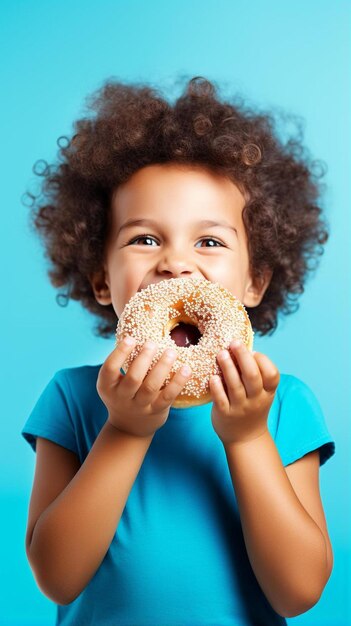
<point x="135" y="402"/>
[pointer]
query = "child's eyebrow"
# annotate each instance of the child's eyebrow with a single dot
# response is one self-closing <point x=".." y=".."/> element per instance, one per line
<point x="202" y="224"/>
<point x="211" y="224"/>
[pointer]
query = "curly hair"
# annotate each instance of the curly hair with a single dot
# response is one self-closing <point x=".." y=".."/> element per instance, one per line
<point x="129" y="126"/>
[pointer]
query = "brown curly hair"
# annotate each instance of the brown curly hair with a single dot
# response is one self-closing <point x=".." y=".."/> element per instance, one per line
<point x="134" y="126"/>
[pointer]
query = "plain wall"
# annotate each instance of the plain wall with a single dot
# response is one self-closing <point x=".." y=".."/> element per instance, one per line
<point x="292" y="56"/>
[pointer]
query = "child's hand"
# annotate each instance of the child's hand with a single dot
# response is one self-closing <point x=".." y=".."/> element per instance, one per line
<point x="135" y="402"/>
<point x="240" y="409"/>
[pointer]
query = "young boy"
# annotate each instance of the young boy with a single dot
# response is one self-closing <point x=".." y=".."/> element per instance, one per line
<point x="142" y="513"/>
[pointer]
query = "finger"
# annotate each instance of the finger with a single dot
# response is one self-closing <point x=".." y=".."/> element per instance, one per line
<point x="219" y="396"/>
<point x="269" y="372"/>
<point x="137" y="371"/>
<point x="109" y="373"/>
<point x="235" y="388"/>
<point x="249" y="371"/>
<point x="172" y="390"/>
<point x="231" y="375"/>
<point x="156" y="378"/>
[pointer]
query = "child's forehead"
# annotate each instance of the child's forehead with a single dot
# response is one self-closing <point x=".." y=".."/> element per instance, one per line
<point x="177" y="178"/>
<point x="178" y="198"/>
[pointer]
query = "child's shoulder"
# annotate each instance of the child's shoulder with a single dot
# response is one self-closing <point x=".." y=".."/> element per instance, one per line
<point x="297" y="421"/>
<point x="289" y="382"/>
<point x="293" y="391"/>
<point x="79" y="377"/>
<point x="77" y="387"/>
<point x="80" y="371"/>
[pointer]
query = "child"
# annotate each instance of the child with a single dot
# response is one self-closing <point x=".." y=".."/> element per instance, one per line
<point x="143" y="514"/>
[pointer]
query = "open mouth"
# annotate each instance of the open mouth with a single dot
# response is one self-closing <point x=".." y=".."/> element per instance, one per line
<point x="185" y="335"/>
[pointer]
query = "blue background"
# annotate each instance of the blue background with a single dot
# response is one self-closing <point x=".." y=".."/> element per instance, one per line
<point x="293" y="56"/>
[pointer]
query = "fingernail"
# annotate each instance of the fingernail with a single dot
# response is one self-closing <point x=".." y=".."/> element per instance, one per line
<point x="170" y="354"/>
<point x="185" y="370"/>
<point x="150" y="345"/>
<point x="224" y="354"/>
<point x="236" y="343"/>
<point x="129" y="341"/>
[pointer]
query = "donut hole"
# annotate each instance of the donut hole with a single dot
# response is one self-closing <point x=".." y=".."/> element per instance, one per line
<point x="185" y="335"/>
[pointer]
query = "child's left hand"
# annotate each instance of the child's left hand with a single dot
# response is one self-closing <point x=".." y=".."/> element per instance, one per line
<point x="241" y="406"/>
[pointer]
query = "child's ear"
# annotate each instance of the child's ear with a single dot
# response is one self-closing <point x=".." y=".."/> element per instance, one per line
<point x="100" y="287"/>
<point x="256" y="288"/>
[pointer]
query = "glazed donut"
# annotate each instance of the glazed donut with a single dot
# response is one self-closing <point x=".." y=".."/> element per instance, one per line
<point x="210" y="312"/>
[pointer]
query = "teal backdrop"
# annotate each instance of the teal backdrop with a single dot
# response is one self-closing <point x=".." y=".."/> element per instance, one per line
<point x="292" y="56"/>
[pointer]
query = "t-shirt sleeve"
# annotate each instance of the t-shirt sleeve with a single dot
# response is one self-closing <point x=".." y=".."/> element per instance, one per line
<point x="51" y="418"/>
<point x="301" y="425"/>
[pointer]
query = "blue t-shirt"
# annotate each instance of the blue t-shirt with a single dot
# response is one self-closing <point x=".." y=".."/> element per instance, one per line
<point x="178" y="556"/>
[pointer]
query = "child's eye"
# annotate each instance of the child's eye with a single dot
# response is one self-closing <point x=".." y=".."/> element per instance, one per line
<point x="147" y="238"/>
<point x="214" y="243"/>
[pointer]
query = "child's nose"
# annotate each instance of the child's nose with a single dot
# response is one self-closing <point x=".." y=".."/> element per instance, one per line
<point x="174" y="264"/>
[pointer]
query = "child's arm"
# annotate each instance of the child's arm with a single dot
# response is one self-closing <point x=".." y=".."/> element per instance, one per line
<point x="74" y="511"/>
<point x="285" y="536"/>
<point x="280" y="509"/>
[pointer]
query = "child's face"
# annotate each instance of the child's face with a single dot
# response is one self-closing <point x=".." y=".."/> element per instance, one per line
<point x="161" y="228"/>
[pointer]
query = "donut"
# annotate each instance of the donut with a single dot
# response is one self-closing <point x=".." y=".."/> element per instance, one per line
<point x="195" y="317"/>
